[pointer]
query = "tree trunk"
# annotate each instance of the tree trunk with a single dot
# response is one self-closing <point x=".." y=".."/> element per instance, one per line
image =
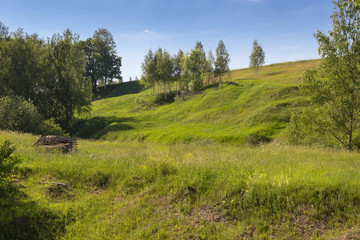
<point x="94" y="85"/>
<point x="165" y="89"/>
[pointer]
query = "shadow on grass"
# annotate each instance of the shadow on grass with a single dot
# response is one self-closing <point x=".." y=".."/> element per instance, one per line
<point x="97" y="127"/>
<point x="274" y="73"/>
<point x="210" y="86"/>
<point x="22" y="219"/>
<point x="120" y="89"/>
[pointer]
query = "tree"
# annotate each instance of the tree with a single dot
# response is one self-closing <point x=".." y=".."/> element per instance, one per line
<point x="335" y="85"/>
<point x="102" y="62"/>
<point x="210" y="61"/>
<point x="200" y="47"/>
<point x="354" y="3"/>
<point x="257" y="56"/>
<point x="65" y="89"/>
<point x="178" y="58"/>
<point x="149" y="69"/>
<point x="20" y="64"/>
<point x="164" y="67"/>
<point x="195" y="66"/>
<point x="4" y="31"/>
<point x="185" y="71"/>
<point x="222" y="60"/>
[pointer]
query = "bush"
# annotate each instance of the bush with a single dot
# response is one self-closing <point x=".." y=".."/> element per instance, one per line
<point x="7" y="167"/>
<point x="255" y="139"/>
<point x="148" y="101"/>
<point x="17" y="114"/>
<point x="49" y="127"/>
<point x="305" y="128"/>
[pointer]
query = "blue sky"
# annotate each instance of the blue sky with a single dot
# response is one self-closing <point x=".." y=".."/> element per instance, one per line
<point x="284" y="28"/>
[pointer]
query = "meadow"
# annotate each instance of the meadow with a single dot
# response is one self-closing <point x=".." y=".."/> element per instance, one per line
<point x="209" y="165"/>
<point x="133" y="190"/>
<point x="255" y="109"/>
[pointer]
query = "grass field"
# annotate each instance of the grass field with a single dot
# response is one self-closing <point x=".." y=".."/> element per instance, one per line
<point x="260" y="105"/>
<point x="130" y="190"/>
<point x="182" y="170"/>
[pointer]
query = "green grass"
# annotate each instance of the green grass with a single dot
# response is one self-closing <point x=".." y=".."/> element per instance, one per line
<point x="131" y="190"/>
<point x="260" y="105"/>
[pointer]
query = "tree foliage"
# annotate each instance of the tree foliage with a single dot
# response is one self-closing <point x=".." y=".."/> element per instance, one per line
<point x="222" y="60"/>
<point x="102" y="62"/>
<point x="257" y="56"/>
<point x="68" y="91"/>
<point x="188" y="70"/>
<point x="17" y="114"/>
<point x="49" y="74"/>
<point x="335" y="86"/>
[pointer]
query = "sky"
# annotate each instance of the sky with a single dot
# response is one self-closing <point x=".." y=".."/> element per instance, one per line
<point x="284" y="28"/>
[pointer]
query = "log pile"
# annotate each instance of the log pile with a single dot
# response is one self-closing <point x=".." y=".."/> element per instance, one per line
<point x="64" y="144"/>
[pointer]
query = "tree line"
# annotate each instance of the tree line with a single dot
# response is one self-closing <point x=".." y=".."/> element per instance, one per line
<point x="187" y="71"/>
<point x="57" y="75"/>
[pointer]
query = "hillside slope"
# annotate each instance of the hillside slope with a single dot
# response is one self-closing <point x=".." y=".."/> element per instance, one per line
<point x="255" y="110"/>
<point x="130" y="190"/>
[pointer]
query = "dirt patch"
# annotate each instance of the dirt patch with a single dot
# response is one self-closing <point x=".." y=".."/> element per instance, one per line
<point x="205" y="214"/>
<point x="352" y="234"/>
<point x="57" y="190"/>
<point x="302" y="224"/>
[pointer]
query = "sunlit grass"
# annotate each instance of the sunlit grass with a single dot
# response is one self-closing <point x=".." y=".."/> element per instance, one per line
<point x="131" y="190"/>
<point x="260" y="103"/>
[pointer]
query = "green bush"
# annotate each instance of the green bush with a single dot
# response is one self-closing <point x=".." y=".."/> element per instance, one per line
<point x="7" y="167"/>
<point x="17" y="114"/>
<point x="148" y="101"/>
<point x="49" y="127"/>
<point x="255" y="139"/>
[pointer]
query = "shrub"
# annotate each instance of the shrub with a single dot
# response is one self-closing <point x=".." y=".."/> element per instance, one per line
<point x="255" y="139"/>
<point x="148" y="101"/>
<point x="17" y="114"/>
<point x="7" y="167"/>
<point x="49" y="127"/>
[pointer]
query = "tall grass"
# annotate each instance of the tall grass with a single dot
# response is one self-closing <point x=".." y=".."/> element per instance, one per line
<point x="120" y="190"/>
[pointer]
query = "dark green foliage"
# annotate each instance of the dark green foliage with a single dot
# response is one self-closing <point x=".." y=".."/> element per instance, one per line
<point x="255" y="139"/>
<point x="7" y="164"/>
<point x="67" y="91"/>
<point x="49" y="127"/>
<point x="49" y="74"/>
<point x="16" y="114"/>
<point x="102" y="62"/>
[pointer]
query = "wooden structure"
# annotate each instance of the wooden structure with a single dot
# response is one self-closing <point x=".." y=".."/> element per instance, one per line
<point x="65" y="144"/>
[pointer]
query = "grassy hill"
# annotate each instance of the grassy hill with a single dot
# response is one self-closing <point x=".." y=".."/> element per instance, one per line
<point x="148" y="189"/>
<point x="256" y="109"/>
